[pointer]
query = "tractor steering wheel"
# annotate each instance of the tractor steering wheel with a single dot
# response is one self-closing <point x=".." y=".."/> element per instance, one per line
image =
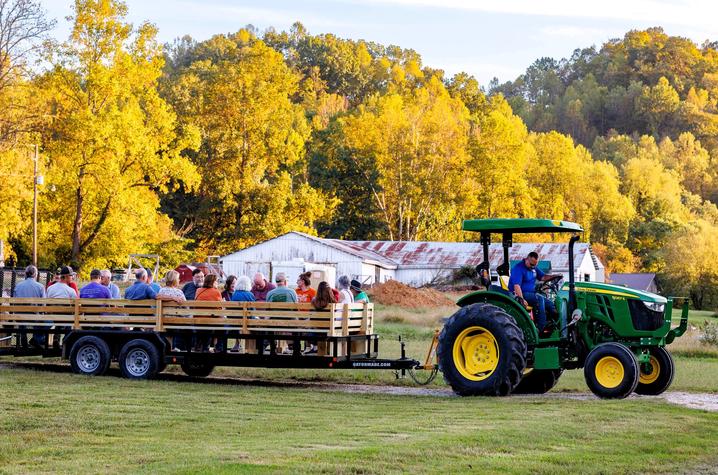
<point x="550" y="286"/>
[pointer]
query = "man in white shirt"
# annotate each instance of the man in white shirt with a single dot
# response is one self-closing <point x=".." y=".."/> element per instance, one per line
<point x="106" y="280"/>
<point x="62" y="290"/>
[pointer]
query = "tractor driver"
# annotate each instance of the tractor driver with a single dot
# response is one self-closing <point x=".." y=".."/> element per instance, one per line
<point x="523" y="284"/>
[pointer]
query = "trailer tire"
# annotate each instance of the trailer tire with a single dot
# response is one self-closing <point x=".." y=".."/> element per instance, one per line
<point x="197" y="369"/>
<point x="90" y="355"/>
<point x="611" y="371"/>
<point x="538" y="381"/>
<point x="659" y="375"/>
<point x="139" y="359"/>
<point x="481" y="351"/>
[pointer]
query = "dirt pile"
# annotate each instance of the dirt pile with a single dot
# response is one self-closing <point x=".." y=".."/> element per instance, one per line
<point x="393" y="292"/>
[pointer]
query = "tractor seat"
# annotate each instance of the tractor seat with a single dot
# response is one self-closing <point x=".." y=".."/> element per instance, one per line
<point x="504" y="281"/>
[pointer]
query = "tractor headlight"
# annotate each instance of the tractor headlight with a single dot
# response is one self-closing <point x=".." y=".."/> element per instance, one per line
<point x="655" y="306"/>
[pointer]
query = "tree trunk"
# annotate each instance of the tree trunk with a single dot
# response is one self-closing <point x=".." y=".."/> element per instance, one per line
<point x="77" y="226"/>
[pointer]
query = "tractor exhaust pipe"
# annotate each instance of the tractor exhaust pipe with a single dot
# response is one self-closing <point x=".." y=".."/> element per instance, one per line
<point x="572" y="304"/>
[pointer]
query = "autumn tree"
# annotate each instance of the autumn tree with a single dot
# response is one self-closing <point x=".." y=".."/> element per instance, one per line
<point x="238" y="91"/>
<point x="417" y="145"/>
<point x="23" y="27"/>
<point x="112" y="142"/>
<point x="690" y="253"/>
<point x="500" y="157"/>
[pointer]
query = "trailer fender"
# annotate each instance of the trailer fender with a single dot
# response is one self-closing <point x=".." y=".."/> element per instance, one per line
<point x="508" y="304"/>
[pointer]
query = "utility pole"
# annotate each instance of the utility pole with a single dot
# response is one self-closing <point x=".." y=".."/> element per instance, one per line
<point x="34" y="208"/>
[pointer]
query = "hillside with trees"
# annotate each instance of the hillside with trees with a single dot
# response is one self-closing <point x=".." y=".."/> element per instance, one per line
<point x="203" y="147"/>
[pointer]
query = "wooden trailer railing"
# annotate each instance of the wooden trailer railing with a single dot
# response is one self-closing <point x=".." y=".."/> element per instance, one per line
<point x="336" y="320"/>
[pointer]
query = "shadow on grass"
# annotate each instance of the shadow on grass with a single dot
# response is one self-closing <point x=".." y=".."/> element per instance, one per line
<point x="254" y="382"/>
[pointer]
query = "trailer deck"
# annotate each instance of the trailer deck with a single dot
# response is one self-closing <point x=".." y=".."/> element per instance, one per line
<point x="141" y="334"/>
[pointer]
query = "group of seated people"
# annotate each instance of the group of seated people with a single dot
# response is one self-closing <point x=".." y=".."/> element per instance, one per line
<point x="242" y="289"/>
<point x="202" y="288"/>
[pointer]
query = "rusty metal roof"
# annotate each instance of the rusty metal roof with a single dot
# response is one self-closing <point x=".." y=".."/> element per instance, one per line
<point x="456" y="254"/>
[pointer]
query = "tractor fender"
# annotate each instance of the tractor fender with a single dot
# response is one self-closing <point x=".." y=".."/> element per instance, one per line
<point x="508" y="304"/>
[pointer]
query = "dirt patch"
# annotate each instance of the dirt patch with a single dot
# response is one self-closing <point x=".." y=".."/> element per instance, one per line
<point x="707" y="402"/>
<point x="393" y="292"/>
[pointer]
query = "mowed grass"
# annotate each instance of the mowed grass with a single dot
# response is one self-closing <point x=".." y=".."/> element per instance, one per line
<point x="60" y="422"/>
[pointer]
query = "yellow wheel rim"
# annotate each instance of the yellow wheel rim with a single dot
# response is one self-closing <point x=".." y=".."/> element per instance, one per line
<point x="609" y="372"/>
<point x="654" y="371"/>
<point x="476" y="353"/>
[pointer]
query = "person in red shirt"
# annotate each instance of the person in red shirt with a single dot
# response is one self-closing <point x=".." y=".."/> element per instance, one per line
<point x="305" y="293"/>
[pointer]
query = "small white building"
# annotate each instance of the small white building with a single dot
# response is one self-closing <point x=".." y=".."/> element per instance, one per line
<point x="411" y="262"/>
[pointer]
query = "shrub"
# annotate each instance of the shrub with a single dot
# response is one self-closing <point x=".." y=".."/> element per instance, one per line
<point x="710" y="333"/>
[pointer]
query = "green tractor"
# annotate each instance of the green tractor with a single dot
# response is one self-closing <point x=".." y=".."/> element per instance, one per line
<point x="618" y="335"/>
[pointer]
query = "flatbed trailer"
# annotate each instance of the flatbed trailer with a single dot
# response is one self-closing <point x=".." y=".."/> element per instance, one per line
<point x="140" y="335"/>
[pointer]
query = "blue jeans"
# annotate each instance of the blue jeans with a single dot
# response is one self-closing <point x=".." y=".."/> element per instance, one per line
<point x="540" y="305"/>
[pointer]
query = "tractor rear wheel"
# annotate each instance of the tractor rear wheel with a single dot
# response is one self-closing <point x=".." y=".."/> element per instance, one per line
<point x="657" y="375"/>
<point x="482" y="351"/>
<point x="611" y="371"/>
<point x="538" y="381"/>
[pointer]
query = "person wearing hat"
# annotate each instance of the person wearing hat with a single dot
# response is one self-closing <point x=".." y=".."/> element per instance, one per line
<point x="359" y="295"/>
<point x="62" y="289"/>
<point x="71" y="283"/>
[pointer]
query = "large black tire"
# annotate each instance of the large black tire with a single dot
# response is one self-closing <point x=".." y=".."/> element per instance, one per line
<point x="656" y="376"/>
<point x="482" y="352"/>
<point x="139" y="359"/>
<point x="90" y="355"/>
<point x="611" y="371"/>
<point x="197" y="369"/>
<point x="538" y="381"/>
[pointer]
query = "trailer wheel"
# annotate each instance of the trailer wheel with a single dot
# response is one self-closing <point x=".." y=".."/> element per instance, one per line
<point x="611" y="371"/>
<point x="90" y="355"/>
<point x="538" y="381"/>
<point x="197" y="369"/>
<point x="482" y="351"/>
<point x="139" y="359"/>
<point x="657" y="375"/>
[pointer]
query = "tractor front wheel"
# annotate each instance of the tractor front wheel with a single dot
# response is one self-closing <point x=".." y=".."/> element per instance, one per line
<point x="611" y="371"/>
<point x="657" y="374"/>
<point x="482" y="351"/>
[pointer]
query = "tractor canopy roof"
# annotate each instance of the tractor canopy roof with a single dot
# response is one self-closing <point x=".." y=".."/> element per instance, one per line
<point x="520" y="225"/>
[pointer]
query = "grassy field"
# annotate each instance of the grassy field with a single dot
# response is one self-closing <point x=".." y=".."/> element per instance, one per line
<point x="59" y="422"/>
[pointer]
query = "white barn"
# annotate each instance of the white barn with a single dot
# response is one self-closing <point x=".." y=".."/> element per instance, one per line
<point x="267" y="256"/>
<point x="411" y="262"/>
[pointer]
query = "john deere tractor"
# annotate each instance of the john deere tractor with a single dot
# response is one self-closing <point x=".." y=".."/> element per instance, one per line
<point x="491" y="345"/>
